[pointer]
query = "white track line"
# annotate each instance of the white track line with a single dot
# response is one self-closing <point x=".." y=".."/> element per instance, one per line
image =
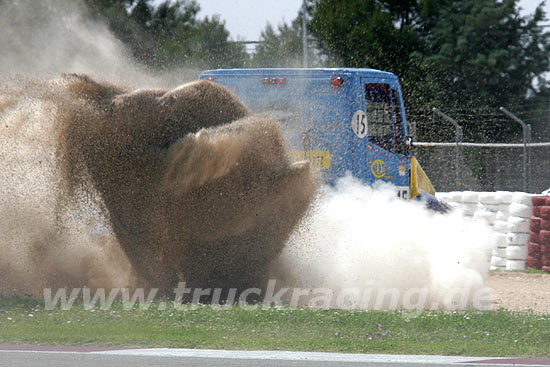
<point x="292" y="356"/>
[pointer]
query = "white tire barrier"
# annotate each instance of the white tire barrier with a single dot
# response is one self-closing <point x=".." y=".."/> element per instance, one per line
<point x="454" y="197"/>
<point x="501" y="240"/>
<point x="521" y="210"/>
<point x="487" y="216"/>
<point x="468" y="208"/>
<point x="516" y="253"/>
<point x="501" y="226"/>
<point x="511" y="215"/>
<point x="518" y="225"/>
<point x="471" y="197"/>
<point x="499" y="252"/>
<point x="522" y="198"/>
<point x="454" y="205"/>
<point x="499" y="262"/>
<point x="515" y="264"/>
<point x="517" y="239"/>
<point x="504" y="208"/>
<point x="503" y="197"/>
<point x="500" y="215"/>
<point x="490" y="207"/>
<point x="488" y="198"/>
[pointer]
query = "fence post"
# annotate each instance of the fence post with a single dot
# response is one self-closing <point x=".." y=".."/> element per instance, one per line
<point x="304" y="34"/>
<point x="526" y="139"/>
<point x="458" y="139"/>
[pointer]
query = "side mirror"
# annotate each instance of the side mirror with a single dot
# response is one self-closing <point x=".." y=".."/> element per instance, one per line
<point x="407" y="144"/>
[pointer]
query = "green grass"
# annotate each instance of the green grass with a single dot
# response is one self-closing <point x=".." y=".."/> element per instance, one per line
<point x="531" y="271"/>
<point x="496" y="333"/>
<point x="526" y="271"/>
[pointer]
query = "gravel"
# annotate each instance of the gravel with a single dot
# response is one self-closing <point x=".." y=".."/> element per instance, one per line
<point x="517" y="291"/>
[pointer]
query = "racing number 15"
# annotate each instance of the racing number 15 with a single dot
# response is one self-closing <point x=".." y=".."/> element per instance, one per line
<point x="359" y="124"/>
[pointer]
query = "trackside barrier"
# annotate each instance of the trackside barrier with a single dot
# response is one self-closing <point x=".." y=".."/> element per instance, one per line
<point x="539" y="240"/>
<point x="499" y="166"/>
<point x="520" y="220"/>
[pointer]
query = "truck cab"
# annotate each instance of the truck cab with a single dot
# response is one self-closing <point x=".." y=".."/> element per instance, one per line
<point x="341" y="119"/>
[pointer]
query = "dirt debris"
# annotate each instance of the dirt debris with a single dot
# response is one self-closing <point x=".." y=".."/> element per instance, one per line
<point x="516" y="291"/>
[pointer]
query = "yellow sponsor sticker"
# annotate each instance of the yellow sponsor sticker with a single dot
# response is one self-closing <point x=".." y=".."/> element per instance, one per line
<point x="319" y="159"/>
<point x="378" y="168"/>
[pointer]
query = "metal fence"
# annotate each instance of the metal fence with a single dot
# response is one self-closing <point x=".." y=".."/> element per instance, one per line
<point x="486" y="167"/>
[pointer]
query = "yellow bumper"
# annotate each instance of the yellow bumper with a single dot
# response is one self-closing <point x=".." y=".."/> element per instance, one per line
<point x="419" y="180"/>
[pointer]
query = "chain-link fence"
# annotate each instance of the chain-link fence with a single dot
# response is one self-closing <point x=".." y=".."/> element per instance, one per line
<point x="486" y="167"/>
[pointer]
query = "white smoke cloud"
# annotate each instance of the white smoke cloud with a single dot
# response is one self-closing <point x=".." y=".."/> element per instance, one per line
<point x="364" y="238"/>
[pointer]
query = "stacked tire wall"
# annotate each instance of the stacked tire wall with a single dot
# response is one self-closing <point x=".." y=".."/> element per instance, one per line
<point x="517" y="219"/>
<point x="539" y="239"/>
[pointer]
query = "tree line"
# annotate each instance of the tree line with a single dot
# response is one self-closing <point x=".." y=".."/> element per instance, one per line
<point x="468" y="57"/>
<point x="465" y="56"/>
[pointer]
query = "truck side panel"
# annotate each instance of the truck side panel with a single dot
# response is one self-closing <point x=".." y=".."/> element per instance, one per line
<point x="321" y="113"/>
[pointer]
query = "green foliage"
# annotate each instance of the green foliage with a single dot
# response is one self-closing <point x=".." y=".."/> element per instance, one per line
<point x="364" y="34"/>
<point x="169" y="34"/>
<point x="280" y="48"/>
<point x="283" y="46"/>
<point x="483" y="55"/>
<point x="210" y="46"/>
<point x="465" y="56"/>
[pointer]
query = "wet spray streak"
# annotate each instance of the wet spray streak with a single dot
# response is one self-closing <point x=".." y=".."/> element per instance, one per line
<point x="364" y="238"/>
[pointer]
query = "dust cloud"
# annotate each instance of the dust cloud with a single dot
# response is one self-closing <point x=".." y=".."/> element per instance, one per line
<point x="35" y="252"/>
<point x="376" y="251"/>
<point x="106" y="185"/>
<point x="112" y="186"/>
<point x="40" y="39"/>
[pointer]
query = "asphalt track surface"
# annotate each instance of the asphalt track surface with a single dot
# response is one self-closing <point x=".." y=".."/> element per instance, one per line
<point x="25" y="355"/>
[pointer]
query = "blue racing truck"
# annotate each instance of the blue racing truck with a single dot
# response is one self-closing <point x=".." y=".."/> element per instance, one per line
<point x="341" y="119"/>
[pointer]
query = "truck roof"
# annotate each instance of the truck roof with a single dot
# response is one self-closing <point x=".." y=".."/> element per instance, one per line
<point x="310" y="72"/>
